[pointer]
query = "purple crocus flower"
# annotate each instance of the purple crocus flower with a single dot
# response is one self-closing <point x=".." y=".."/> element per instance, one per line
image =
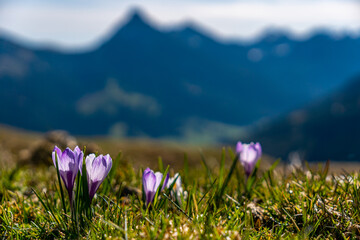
<point x="69" y="163"/>
<point x="177" y="191"/>
<point x="249" y="154"/>
<point x="151" y="183"/>
<point x="97" y="168"/>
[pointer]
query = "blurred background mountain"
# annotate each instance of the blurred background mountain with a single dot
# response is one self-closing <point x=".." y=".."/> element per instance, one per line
<point x="182" y="83"/>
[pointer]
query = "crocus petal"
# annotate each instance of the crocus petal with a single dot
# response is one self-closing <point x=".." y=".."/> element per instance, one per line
<point x="149" y="181"/>
<point x="88" y="161"/>
<point x="147" y="171"/>
<point x="93" y="187"/>
<point x="166" y="180"/>
<point x="108" y="164"/>
<point x="158" y="176"/>
<point x="258" y="148"/>
<point x="249" y="154"/>
<point x="178" y="182"/>
<point x="248" y="167"/>
<point x="170" y="182"/>
<point x="58" y="152"/>
<point x="68" y="160"/>
<point x="79" y="156"/>
<point x="89" y="168"/>
<point x="101" y="167"/>
<point x="239" y="147"/>
<point x="70" y="166"/>
<point x="98" y="169"/>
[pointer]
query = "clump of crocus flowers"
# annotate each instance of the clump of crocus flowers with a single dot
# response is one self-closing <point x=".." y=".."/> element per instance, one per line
<point x="249" y="154"/>
<point x="69" y="163"/>
<point x="152" y="183"/>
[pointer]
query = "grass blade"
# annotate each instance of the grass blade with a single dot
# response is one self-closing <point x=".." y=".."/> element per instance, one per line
<point x="226" y="182"/>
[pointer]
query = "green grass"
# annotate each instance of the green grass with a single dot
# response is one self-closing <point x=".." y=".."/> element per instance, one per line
<point x="220" y="204"/>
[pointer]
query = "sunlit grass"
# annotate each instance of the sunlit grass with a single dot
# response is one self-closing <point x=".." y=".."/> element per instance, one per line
<point x="218" y="205"/>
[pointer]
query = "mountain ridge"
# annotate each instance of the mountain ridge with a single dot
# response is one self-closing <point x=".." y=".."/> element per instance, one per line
<point x="183" y="72"/>
<point x="325" y="129"/>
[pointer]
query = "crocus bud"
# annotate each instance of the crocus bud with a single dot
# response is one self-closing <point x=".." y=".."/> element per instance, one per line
<point x="177" y="191"/>
<point x="151" y="183"/>
<point x="249" y="154"/>
<point x="97" y="168"/>
<point x="69" y="163"/>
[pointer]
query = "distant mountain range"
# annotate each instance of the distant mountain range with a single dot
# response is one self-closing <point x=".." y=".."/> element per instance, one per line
<point x="181" y="83"/>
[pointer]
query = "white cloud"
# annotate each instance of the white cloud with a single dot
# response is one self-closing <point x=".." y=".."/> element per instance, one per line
<point x="76" y="24"/>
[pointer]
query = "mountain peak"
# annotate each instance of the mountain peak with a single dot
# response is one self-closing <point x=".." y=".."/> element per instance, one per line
<point x="137" y="16"/>
<point x="137" y="26"/>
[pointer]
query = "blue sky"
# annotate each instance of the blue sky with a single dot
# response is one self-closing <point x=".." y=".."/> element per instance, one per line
<point x="73" y="23"/>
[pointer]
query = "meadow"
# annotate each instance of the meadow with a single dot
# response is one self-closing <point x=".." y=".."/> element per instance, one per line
<point x="218" y="200"/>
